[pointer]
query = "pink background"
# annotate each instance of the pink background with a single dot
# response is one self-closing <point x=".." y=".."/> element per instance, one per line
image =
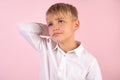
<point x="99" y="33"/>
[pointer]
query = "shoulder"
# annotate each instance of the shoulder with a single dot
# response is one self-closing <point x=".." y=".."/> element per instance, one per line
<point x="86" y="58"/>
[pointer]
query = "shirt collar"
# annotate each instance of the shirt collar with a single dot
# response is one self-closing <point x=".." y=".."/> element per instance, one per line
<point x="76" y="51"/>
<point x="55" y="47"/>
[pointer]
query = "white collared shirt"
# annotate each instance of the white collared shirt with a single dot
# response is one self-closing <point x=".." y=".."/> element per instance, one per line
<point x="77" y="64"/>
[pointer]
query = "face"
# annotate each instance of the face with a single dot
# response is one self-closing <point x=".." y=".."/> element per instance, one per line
<point x="61" y="27"/>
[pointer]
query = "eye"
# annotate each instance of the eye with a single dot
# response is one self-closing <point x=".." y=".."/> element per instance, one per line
<point x="50" y="24"/>
<point x="60" y="21"/>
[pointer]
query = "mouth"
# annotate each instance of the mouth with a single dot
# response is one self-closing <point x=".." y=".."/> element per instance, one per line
<point x="56" y="34"/>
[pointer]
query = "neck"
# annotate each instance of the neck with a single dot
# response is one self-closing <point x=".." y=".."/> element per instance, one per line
<point x="67" y="46"/>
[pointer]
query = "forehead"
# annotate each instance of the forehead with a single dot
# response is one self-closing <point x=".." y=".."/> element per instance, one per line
<point x="50" y="17"/>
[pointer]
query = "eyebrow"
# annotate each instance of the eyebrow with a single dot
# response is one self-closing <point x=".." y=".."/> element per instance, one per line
<point x="59" y="18"/>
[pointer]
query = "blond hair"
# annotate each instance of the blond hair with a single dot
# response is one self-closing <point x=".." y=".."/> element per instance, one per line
<point x="68" y="9"/>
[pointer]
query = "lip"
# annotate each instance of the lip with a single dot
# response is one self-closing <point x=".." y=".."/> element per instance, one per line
<point x="55" y="34"/>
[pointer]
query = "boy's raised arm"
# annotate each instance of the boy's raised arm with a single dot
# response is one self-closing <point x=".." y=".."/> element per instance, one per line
<point x="32" y="32"/>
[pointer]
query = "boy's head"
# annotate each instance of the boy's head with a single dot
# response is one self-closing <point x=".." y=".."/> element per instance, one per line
<point x="62" y="20"/>
<point x="67" y="9"/>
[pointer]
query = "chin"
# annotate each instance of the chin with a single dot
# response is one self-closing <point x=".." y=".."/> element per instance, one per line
<point x="57" y="40"/>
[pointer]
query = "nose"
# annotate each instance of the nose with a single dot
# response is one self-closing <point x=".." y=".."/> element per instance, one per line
<point x="56" y="27"/>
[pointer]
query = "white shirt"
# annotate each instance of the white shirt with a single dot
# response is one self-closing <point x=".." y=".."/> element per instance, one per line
<point x="77" y="64"/>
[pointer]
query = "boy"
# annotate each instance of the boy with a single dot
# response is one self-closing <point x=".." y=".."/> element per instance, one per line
<point x="62" y="57"/>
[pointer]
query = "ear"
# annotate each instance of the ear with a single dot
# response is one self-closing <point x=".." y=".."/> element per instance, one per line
<point x="76" y="24"/>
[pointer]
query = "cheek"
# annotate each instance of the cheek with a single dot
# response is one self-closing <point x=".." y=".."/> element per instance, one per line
<point x="67" y="30"/>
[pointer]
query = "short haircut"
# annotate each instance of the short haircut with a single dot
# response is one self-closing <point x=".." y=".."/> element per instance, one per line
<point x="68" y="9"/>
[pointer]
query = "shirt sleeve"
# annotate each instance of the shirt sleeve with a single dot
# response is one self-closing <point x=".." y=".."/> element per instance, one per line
<point x="94" y="72"/>
<point x="32" y="32"/>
